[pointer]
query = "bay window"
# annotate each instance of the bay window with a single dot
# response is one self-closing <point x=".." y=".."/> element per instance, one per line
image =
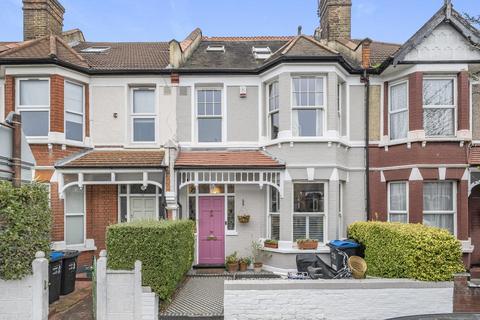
<point x="308" y="211"/>
<point x="398" y="111"/>
<point x="34" y="106"/>
<point x="74" y="111"/>
<point x="273" y="109"/>
<point x="209" y="115"/>
<point x="74" y="216"/>
<point x="439" y="107"/>
<point x="439" y="205"/>
<point x="308" y="97"/>
<point x="274" y="214"/>
<point x="143" y="115"/>
<point x="397" y="202"/>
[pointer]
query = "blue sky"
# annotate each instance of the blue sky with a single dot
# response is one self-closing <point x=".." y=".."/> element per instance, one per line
<point x="163" y="20"/>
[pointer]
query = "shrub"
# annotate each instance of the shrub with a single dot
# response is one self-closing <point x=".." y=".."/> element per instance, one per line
<point x="165" y="249"/>
<point x="397" y="250"/>
<point x="25" y="221"/>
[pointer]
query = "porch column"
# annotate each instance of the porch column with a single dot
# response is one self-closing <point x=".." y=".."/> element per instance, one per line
<point x="286" y="212"/>
<point x="332" y="206"/>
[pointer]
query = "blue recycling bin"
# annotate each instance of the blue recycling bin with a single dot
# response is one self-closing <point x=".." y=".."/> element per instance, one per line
<point x="350" y="247"/>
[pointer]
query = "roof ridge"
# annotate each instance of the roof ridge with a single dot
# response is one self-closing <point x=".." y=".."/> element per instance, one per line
<point x="62" y="42"/>
<point x="24" y="44"/>
<point x="295" y="40"/>
<point x="245" y="38"/>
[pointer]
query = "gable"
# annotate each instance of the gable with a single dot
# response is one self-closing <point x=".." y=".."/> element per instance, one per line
<point x="444" y="43"/>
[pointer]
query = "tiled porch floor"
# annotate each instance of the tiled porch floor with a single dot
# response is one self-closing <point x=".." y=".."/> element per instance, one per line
<point x="201" y="295"/>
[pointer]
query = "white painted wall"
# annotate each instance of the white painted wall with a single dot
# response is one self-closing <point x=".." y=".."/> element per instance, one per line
<point x="26" y="298"/>
<point x="120" y="294"/>
<point x="334" y="299"/>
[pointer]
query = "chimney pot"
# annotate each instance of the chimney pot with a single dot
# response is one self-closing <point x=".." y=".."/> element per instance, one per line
<point x="42" y="18"/>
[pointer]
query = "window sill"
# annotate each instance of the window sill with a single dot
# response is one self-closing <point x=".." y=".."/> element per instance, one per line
<point x="320" y="249"/>
<point x="89" y="245"/>
<point x="231" y="233"/>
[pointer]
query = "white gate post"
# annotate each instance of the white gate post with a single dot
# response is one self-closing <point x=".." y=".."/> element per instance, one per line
<point x="137" y="308"/>
<point x="101" y="276"/>
<point x="40" y="287"/>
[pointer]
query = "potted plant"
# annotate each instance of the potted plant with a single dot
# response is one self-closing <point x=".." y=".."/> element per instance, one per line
<point x="232" y="262"/>
<point x="243" y="218"/>
<point x="269" y="243"/>
<point x="307" y="244"/>
<point x="244" y="263"/>
<point x="258" y="255"/>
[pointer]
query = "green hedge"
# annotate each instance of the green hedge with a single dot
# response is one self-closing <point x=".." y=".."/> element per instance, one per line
<point x="415" y="251"/>
<point x="165" y="249"/>
<point x="25" y="221"/>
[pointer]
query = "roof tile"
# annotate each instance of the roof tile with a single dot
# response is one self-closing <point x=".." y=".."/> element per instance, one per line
<point x="116" y="159"/>
<point x="226" y="159"/>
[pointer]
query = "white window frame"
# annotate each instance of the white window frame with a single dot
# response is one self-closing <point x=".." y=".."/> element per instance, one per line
<point x="322" y="108"/>
<point x="84" y="215"/>
<point x="221" y="116"/>
<point x="323" y="214"/>
<point x="20" y="108"/>
<point x="134" y="115"/>
<point x="454" y="106"/>
<point x="75" y="113"/>
<point x="390" y="113"/>
<point x="454" y="204"/>
<point x="270" y="113"/>
<point x="389" y="210"/>
<point x="129" y="194"/>
<point x="270" y="213"/>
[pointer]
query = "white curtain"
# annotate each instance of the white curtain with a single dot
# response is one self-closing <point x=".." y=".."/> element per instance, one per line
<point x="34" y="93"/>
<point x="144" y="101"/>
<point x="398" y="111"/>
<point x="398" y="202"/>
<point x="438" y="205"/>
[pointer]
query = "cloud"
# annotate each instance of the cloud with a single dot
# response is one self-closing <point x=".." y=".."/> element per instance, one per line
<point x="364" y="8"/>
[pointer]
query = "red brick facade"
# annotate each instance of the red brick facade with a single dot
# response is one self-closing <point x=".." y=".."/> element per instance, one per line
<point x="57" y="113"/>
<point x="415" y="101"/>
<point x="466" y="296"/>
<point x="463" y="83"/>
<point x="9" y="94"/>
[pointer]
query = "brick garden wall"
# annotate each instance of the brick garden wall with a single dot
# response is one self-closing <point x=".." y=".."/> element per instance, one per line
<point x="466" y="295"/>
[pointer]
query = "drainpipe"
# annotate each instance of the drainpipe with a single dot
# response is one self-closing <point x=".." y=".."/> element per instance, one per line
<point x="16" y="150"/>
<point x="366" y="81"/>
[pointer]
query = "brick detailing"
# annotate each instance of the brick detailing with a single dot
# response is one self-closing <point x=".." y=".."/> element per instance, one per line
<point x="366" y="54"/>
<point x="87" y="110"/>
<point x="174" y="78"/>
<point x="45" y="157"/>
<point x="415" y="201"/>
<point x="462" y="210"/>
<point x="335" y="19"/>
<point x="57" y="114"/>
<point x="102" y="211"/>
<point x="9" y="94"/>
<point x="432" y="153"/>
<point x="41" y="18"/>
<point x="378" y="197"/>
<point x="57" y="213"/>
<point x="385" y="108"/>
<point x="415" y="100"/>
<point x="463" y="100"/>
<point x="466" y="296"/>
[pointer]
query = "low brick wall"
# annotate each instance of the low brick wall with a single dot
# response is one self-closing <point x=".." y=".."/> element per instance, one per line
<point x="335" y="299"/>
<point x="466" y="294"/>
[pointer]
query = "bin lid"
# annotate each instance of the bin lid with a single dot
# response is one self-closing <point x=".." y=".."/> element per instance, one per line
<point x="70" y="253"/>
<point x="344" y="244"/>
<point x="56" y="255"/>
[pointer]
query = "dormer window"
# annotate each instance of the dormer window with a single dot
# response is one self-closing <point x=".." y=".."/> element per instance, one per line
<point x="98" y="49"/>
<point x="216" y="48"/>
<point x="261" y="53"/>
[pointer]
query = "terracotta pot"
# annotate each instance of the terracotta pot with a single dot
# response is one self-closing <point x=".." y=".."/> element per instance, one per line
<point x="271" y="245"/>
<point x="243" y="266"/>
<point x="232" y="267"/>
<point x="309" y="245"/>
<point x="257" y="266"/>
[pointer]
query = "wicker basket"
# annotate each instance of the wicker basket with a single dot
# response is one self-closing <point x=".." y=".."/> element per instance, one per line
<point x="358" y="267"/>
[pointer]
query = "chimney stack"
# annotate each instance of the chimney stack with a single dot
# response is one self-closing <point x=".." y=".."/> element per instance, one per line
<point x="335" y="19"/>
<point x="42" y="18"/>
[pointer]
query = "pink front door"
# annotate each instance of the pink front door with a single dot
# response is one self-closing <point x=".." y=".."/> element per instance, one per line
<point x="211" y="230"/>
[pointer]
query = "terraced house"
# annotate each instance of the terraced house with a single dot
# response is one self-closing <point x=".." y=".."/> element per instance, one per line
<point x="273" y="127"/>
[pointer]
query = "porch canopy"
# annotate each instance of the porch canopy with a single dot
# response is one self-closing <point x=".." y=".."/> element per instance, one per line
<point x="99" y="167"/>
<point x="229" y="167"/>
